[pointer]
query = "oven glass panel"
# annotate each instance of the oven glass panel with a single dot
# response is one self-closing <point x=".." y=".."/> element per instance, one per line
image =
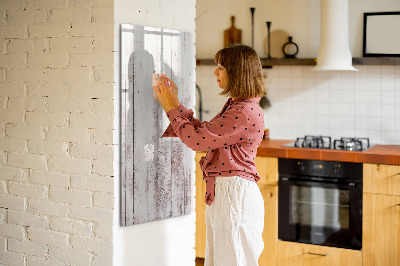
<point x="318" y="207"/>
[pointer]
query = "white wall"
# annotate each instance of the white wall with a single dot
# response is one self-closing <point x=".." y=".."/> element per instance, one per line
<point x="56" y="120"/>
<point x="170" y="241"/>
<point x="338" y="104"/>
<point x="299" y="18"/>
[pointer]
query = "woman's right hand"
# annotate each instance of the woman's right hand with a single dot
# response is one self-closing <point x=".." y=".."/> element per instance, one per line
<point x="174" y="91"/>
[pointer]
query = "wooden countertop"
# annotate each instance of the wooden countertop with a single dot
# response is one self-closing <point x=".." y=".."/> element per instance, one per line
<point x="379" y="154"/>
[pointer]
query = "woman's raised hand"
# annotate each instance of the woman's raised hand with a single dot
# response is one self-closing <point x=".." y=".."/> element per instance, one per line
<point x="174" y="91"/>
<point x="164" y="94"/>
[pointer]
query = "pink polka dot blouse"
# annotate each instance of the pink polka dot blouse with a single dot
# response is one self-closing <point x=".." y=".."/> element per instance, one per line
<point x="231" y="139"/>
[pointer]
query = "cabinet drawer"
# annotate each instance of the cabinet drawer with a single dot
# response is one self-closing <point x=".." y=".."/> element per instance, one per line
<point x="293" y="254"/>
<point x="381" y="179"/>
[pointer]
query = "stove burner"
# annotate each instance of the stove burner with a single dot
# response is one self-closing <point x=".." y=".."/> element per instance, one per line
<point x="308" y="141"/>
<point x="351" y="144"/>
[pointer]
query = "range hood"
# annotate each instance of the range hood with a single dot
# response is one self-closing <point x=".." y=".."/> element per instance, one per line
<point x="334" y="51"/>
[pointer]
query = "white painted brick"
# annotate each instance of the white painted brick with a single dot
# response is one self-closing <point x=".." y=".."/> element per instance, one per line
<point x="12" y="117"/>
<point x="11" y="60"/>
<point x="3" y="158"/>
<point x="69" y="256"/>
<point x="12" y="202"/>
<point x="93" y="183"/>
<point x="103" y="44"/>
<point x="11" y="259"/>
<point x="75" y="196"/>
<point x="71" y="44"/>
<point x="102" y="136"/>
<point x="47" y="237"/>
<point x="48" y="88"/>
<point x="52" y="60"/>
<point x="68" y="15"/>
<point x="3" y="213"/>
<point x="25" y="132"/>
<point x="91" y="244"/>
<point x="101" y="2"/>
<point x="12" y="4"/>
<point x="91" y="214"/>
<point x="81" y="105"/>
<point x="103" y="200"/>
<point x="103" y="231"/>
<point x="10" y="173"/>
<point x="36" y="261"/>
<point x="76" y="74"/>
<point x="47" y="207"/>
<point x="13" y="31"/>
<point x="26" y="74"/>
<point x="27" y="160"/>
<point x="3" y="245"/>
<point x="49" y="178"/>
<point x="27" y="190"/>
<point x="93" y="151"/>
<point x="103" y="168"/>
<point x="48" y="30"/>
<point x="103" y="259"/>
<point x="20" y="46"/>
<point x="91" y="90"/>
<point x="103" y="74"/>
<point x="95" y="59"/>
<point x="2" y="74"/>
<point x="28" y="16"/>
<point x="48" y="147"/>
<point x="12" y="230"/>
<point x="49" y="4"/>
<point x="92" y="29"/>
<point x="71" y="226"/>
<point x="12" y="89"/>
<point x="27" y="104"/>
<point x="28" y="219"/>
<point x="91" y="121"/>
<point x="92" y="3"/>
<point x="3" y="104"/>
<point x="70" y="165"/>
<point x="3" y="187"/>
<point x="47" y="119"/>
<point x="67" y="134"/>
<point x="27" y="247"/>
<point x="103" y="14"/>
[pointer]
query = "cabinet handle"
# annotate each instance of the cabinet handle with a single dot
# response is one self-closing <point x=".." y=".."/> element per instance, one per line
<point x="318" y="254"/>
<point x="398" y="204"/>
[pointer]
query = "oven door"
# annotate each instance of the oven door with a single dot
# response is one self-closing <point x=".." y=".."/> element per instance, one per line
<point x="315" y="211"/>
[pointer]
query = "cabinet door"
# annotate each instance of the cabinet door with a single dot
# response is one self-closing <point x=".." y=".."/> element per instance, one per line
<point x="381" y="179"/>
<point x="200" y="209"/>
<point x="267" y="168"/>
<point x="297" y="254"/>
<point x="381" y="230"/>
<point x="270" y="233"/>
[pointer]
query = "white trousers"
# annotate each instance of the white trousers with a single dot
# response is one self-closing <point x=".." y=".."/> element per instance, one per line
<point x="234" y="223"/>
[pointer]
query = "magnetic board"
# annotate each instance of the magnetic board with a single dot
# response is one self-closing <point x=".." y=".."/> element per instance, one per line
<point x="155" y="172"/>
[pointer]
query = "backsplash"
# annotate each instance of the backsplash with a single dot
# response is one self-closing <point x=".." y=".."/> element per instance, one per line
<point x="337" y="104"/>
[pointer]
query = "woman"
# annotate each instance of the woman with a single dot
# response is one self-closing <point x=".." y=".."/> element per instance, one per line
<point x="235" y="207"/>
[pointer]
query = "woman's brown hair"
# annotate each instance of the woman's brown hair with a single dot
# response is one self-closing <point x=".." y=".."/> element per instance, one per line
<point x="245" y="78"/>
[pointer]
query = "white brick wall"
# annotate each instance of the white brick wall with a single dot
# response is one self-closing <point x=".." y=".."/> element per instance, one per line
<point x="56" y="126"/>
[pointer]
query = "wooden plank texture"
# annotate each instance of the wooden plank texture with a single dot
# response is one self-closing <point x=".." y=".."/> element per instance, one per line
<point x="155" y="172"/>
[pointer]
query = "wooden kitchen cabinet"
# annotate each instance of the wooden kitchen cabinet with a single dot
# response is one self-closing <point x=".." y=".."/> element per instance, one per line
<point x="200" y="209"/>
<point x="298" y="254"/>
<point x="381" y="179"/>
<point x="381" y="230"/>
<point x="381" y="215"/>
<point x="267" y="167"/>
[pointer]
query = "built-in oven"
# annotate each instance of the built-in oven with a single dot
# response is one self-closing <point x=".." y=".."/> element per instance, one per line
<point x="320" y="202"/>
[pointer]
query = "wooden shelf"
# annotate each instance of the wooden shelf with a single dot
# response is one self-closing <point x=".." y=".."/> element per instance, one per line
<point x="312" y="61"/>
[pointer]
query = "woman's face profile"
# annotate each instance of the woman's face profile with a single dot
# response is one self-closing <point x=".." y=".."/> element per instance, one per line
<point x="222" y="76"/>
